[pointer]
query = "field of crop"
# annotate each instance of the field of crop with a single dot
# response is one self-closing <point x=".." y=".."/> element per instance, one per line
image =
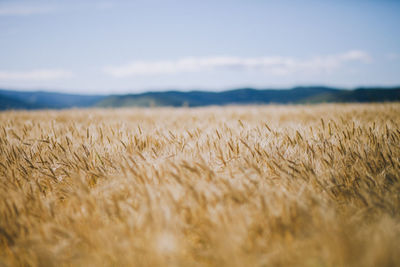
<point x="219" y="186"/>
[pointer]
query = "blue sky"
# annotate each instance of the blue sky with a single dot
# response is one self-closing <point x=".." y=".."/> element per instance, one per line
<point x="134" y="46"/>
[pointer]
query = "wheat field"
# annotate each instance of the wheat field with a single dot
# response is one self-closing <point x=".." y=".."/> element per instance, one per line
<point x="271" y="185"/>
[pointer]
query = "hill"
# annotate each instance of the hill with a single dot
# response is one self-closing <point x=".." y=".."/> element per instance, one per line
<point x="246" y="96"/>
<point x="10" y="99"/>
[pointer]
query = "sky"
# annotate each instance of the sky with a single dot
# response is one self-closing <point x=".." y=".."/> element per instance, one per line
<point x="102" y="47"/>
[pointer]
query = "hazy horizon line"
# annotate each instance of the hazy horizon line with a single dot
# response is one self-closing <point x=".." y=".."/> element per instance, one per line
<point x="193" y="89"/>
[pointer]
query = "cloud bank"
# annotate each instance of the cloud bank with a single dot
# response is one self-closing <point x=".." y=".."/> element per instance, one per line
<point x="24" y="10"/>
<point x="269" y="65"/>
<point x="34" y="75"/>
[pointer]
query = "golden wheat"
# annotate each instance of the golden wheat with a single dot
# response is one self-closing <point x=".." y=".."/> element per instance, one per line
<point x="219" y="186"/>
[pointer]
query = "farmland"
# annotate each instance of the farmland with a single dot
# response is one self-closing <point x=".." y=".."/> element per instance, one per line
<point x="303" y="185"/>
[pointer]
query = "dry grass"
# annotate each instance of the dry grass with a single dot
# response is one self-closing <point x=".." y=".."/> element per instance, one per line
<point x="232" y="186"/>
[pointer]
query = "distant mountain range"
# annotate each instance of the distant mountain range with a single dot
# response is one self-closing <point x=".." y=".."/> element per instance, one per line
<point x="45" y="100"/>
<point x="299" y="95"/>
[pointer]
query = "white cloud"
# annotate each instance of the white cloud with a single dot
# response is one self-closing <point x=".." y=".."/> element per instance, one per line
<point x="24" y="10"/>
<point x="271" y="65"/>
<point x="34" y="75"/>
